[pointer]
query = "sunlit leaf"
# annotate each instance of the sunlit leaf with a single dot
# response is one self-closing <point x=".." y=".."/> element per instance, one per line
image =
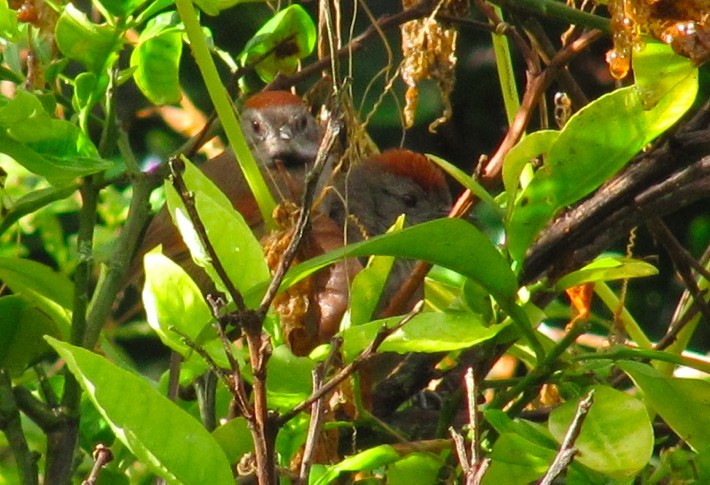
<point x="607" y="268"/>
<point x="120" y="8"/>
<point x="143" y="419"/>
<point x="594" y="144"/>
<point x="420" y="468"/>
<point x="682" y="403"/>
<point x="75" y="33"/>
<point x="289" y="378"/>
<point x="156" y="59"/>
<point x="426" y="332"/>
<point x="278" y="46"/>
<point x="616" y="437"/>
<point x="530" y="147"/>
<point x="452" y="243"/>
<point x="366" y="460"/>
<point x="239" y="251"/>
<point x="173" y="301"/>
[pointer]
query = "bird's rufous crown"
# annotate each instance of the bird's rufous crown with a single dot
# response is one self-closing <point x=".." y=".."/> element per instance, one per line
<point x="269" y="99"/>
<point x="415" y="166"/>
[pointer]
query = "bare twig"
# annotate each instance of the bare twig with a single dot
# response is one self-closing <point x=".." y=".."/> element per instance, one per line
<point x="316" y="423"/>
<point x="324" y="151"/>
<point x="102" y="455"/>
<point x="567" y="450"/>
<point x="346" y="371"/>
<point x="683" y="262"/>
<point x="188" y="200"/>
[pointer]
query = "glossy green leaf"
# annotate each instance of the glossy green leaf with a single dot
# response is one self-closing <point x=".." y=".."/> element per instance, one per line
<point x="366" y="288"/>
<point x="278" y="46"/>
<point x="8" y="21"/>
<point x="607" y="268"/>
<point x="419" y="468"/>
<point x="22" y="327"/>
<point x="370" y="459"/>
<point x="238" y="249"/>
<point x="156" y="60"/>
<point x="682" y="403"/>
<point x="426" y="332"/>
<point x="214" y="7"/>
<point x="658" y="70"/>
<point x="616" y="437"/>
<point x="235" y="438"/>
<point x="530" y="147"/>
<point x="144" y="429"/>
<point x="289" y="378"/>
<point x="48" y="290"/>
<point x="172" y="300"/>
<point x="120" y="8"/>
<point x="79" y="39"/>
<point x="516" y="460"/>
<point x="465" y="180"/>
<point x="595" y="144"/>
<point x="452" y="243"/>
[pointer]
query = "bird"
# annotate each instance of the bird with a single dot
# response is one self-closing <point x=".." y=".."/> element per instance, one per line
<point x="367" y="199"/>
<point x="284" y="138"/>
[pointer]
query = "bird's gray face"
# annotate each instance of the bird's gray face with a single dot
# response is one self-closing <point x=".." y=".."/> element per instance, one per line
<point x="376" y="198"/>
<point x="287" y="134"/>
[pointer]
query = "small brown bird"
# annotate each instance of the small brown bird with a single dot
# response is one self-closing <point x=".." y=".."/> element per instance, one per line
<point x="368" y="199"/>
<point x="284" y="138"/>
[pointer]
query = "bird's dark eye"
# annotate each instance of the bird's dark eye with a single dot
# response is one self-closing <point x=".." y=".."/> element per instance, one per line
<point x="410" y="200"/>
<point x="301" y="123"/>
<point x="257" y="127"/>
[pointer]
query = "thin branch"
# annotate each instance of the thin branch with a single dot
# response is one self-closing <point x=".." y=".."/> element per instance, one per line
<point x="683" y="262"/>
<point x="567" y="450"/>
<point x="346" y="371"/>
<point x="316" y="422"/>
<point x="188" y="200"/>
<point x="324" y="150"/>
<point x="11" y="426"/>
<point x="102" y="456"/>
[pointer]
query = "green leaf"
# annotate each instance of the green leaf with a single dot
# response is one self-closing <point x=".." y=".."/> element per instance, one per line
<point x="173" y="300"/>
<point x="658" y="70"/>
<point x="156" y="59"/>
<point x="120" y="8"/>
<point x="682" y="403"/>
<point x="234" y="438"/>
<point x="143" y="419"/>
<point x="376" y="457"/>
<point x="48" y="290"/>
<point x="616" y="437"/>
<point x="426" y="332"/>
<point x="278" y="46"/>
<point x="366" y="288"/>
<point x="60" y="172"/>
<point x="79" y="39"/>
<point x="238" y="249"/>
<point x="530" y="147"/>
<point x="595" y="144"/>
<point x="22" y="327"/>
<point x="607" y="268"/>
<point x="466" y="180"/>
<point x="8" y="21"/>
<point x="419" y="468"/>
<point x="214" y="7"/>
<point x="440" y="242"/>
<point x="289" y="378"/>
<point x="516" y="460"/>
